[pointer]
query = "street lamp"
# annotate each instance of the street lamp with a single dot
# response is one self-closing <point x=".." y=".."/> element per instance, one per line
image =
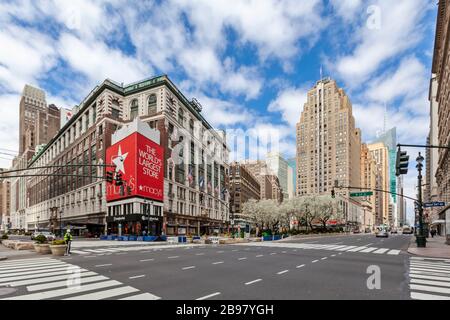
<point x="60" y="222"/>
<point x="420" y="238"/>
<point x="37" y="223"/>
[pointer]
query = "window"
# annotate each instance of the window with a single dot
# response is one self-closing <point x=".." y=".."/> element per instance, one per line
<point x="181" y="116"/>
<point x="152" y="104"/>
<point x="115" y="109"/>
<point x="134" y="109"/>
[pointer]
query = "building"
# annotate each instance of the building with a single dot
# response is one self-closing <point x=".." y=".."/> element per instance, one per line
<point x="195" y="161"/>
<point x="280" y="167"/>
<point x="243" y="187"/>
<point x="389" y="139"/>
<point x="292" y="173"/>
<point x="432" y="155"/>
<point x="38" y="123"/>
<point x="269" y="183"/>
<point x="5" y="200"/>
<point x="368" y="181"/>
<point x="328" y="142"/>
<point x="440" y="68"/>
<point x="380" y="154"/>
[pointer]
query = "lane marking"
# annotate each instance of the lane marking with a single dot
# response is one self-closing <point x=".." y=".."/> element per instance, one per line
<point x="333" y="255"/>
<point x="273" y="253"/>
<point x="105" y="294"/>
<point x="63" y="283"/>
<point x="142" y="296"/>
<point x="209" y="296"/>
<point x="187" y="268"/>
<point x="431" y="283"/>
<point x="66" y="291"/>
<point x="419" y="276"/>
<point x="41" y="275"/>
<point x="284" y="271"/>
<point x="425" y="296"/>
<point x="252" y="282"/>
<point x="221" y="251"/>
<point x="135" y="277"/>
<point x="314" y="261"/>
<point x="357" y="249"/>
<point x="324" y="258"/>
<point x="218" y="262"/>
<point x="369" y="250"/>
<point x="173" y="257"/>
<point x="381" y="251"/>
<point x="300" y="266"/>
<point x="429" y="289"/>
<point x="144" y="260"/>
<point x="46" y="279"/>
<point x="394" y="252"/>
<point x="104" y="265"/>
<point x="259" y="255"/>
<point x="242" y="258"/>
<point x="200" y="254"/>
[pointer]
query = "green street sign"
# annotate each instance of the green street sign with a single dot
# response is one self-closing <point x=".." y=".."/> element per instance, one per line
<point x="361" y="194"/>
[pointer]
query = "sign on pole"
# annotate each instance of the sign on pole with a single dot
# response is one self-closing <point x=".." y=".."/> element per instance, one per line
<point x="434" y="204"/>
<point x="361" y="194"/>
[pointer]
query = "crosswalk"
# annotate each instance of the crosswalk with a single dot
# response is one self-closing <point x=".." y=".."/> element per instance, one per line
<point x="47" y="278"/>
<point x="429" y="278"/>
<point x="330" y="247"/>
<point x="120" y="249"/>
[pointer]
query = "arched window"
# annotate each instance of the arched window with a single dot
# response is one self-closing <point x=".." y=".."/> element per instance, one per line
<point x="134" y="109"/>
<point x="180" y="116"/>
<point x="152" y="104"/>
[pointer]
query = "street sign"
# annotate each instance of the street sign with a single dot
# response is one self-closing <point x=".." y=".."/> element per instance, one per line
<point x="361" y="194"/>
<point x="434" y="204"/>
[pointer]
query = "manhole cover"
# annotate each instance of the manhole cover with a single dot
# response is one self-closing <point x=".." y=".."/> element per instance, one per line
<point x="5" y="291"/>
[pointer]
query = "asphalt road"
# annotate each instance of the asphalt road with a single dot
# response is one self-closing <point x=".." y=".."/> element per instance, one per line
<point x="294" y="269"/>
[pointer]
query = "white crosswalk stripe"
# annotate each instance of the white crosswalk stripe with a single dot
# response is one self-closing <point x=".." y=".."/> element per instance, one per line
<point x="330" y="247"/>
<point x="429" y="278"/>
<point x="48" y="278"/>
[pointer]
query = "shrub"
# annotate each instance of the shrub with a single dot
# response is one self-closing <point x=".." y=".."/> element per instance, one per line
<point x="41" y="239"/>
<point x="5" y="237"/>
<point x="58" y="242"/>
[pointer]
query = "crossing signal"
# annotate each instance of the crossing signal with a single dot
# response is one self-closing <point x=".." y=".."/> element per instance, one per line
<point x="119" y="180"/>
<point x="401" y="163"/>
<point x="109" y="176"/>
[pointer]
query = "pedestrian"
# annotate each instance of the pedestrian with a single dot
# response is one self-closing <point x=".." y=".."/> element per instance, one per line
<point x="433" y="232"/>
<point x="68" y="240"/>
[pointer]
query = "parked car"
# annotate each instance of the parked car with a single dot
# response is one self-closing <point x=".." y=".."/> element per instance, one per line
<point x="394" y="230"/>
<point x="407" y="230"/>
<point x="356" y="230"/>
<point x="48" y="235"/>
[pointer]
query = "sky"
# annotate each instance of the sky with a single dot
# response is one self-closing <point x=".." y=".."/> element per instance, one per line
<point x="249" y="64"/>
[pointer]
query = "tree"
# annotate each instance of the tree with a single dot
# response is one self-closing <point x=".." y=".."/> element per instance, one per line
<point x="328" y="208"/>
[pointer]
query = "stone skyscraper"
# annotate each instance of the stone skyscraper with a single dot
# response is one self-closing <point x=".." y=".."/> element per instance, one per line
<point x="328" y="142"/>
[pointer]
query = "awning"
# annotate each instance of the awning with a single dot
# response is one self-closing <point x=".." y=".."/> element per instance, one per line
<point x="438" y="222"/>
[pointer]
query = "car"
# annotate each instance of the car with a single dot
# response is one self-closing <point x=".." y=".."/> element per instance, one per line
<point x="356" y="230"/>
<point x="382" y="233"/>
<point x="393" y="230"/>
<point x="407" y="230"/>
<point x="48" y="235"/>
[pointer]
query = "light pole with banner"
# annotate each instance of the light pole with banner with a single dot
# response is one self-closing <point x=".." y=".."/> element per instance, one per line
<point x="37" y="223"/>
<point x="60" y="222"/>
<point x="420" y="238"/>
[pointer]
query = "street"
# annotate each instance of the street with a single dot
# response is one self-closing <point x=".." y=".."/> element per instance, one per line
<point x="334" y="267"/>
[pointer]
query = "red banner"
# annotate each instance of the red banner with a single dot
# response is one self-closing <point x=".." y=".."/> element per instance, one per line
<point x="141" y="163"/>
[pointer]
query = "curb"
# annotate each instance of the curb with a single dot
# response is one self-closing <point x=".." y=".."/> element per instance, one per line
<point x="3" y="258"/>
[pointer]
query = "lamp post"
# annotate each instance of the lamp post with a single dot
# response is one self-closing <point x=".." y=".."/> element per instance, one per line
<point x="420" y="238"/>
<point x="60" y="222"/>
<point x="37" y="223"/>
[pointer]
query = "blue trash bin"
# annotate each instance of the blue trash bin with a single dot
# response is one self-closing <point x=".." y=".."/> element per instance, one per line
<point x="132" y="238"/>
<point x="140" y="238"/>
<point x="182" y="239"/>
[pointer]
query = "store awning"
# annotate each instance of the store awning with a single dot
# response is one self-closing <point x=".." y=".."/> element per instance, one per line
<point x="438" y="222"/>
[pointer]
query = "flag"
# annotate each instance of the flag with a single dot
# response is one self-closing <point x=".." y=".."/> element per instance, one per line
<point x="201" y="182"/>
<point x="209" y="186"/>
<point x="190" y="177"/>
<point x="216" y="190"/>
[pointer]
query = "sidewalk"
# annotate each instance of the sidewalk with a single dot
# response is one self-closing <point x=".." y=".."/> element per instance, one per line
<point x="7" y="253"/>
<point x="435" y="248"/>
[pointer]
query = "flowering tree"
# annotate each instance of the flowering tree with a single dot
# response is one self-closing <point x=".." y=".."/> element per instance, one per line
<point x="328" y="209"/>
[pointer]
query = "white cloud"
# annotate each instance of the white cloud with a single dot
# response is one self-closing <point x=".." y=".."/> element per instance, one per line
<point x="409" y="80"/>
<point x="97" y="61"/>
<point x="290" y="103"/>
<point x="9" y="126"/>
<point x="25" y="56"/>
<point x="392" y="28"/>
<point x="347" y="9"/>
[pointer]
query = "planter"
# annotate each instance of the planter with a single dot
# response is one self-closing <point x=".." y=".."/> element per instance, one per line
<point x="44" y="248"/>
<point x="58" y="250"/>
<point x="37" y="247"/>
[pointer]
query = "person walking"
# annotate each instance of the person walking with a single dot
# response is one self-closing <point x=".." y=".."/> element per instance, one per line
<point x="68" y="240"/>
<point x="433" y="232"/>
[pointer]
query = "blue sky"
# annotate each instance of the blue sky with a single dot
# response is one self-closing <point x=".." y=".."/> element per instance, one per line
<point x="249" y="63"/>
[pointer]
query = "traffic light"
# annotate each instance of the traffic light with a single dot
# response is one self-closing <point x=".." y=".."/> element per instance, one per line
<point x="109" y="176"/>
<point x="401" y="164"/>
<point x="119" y="180"/>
